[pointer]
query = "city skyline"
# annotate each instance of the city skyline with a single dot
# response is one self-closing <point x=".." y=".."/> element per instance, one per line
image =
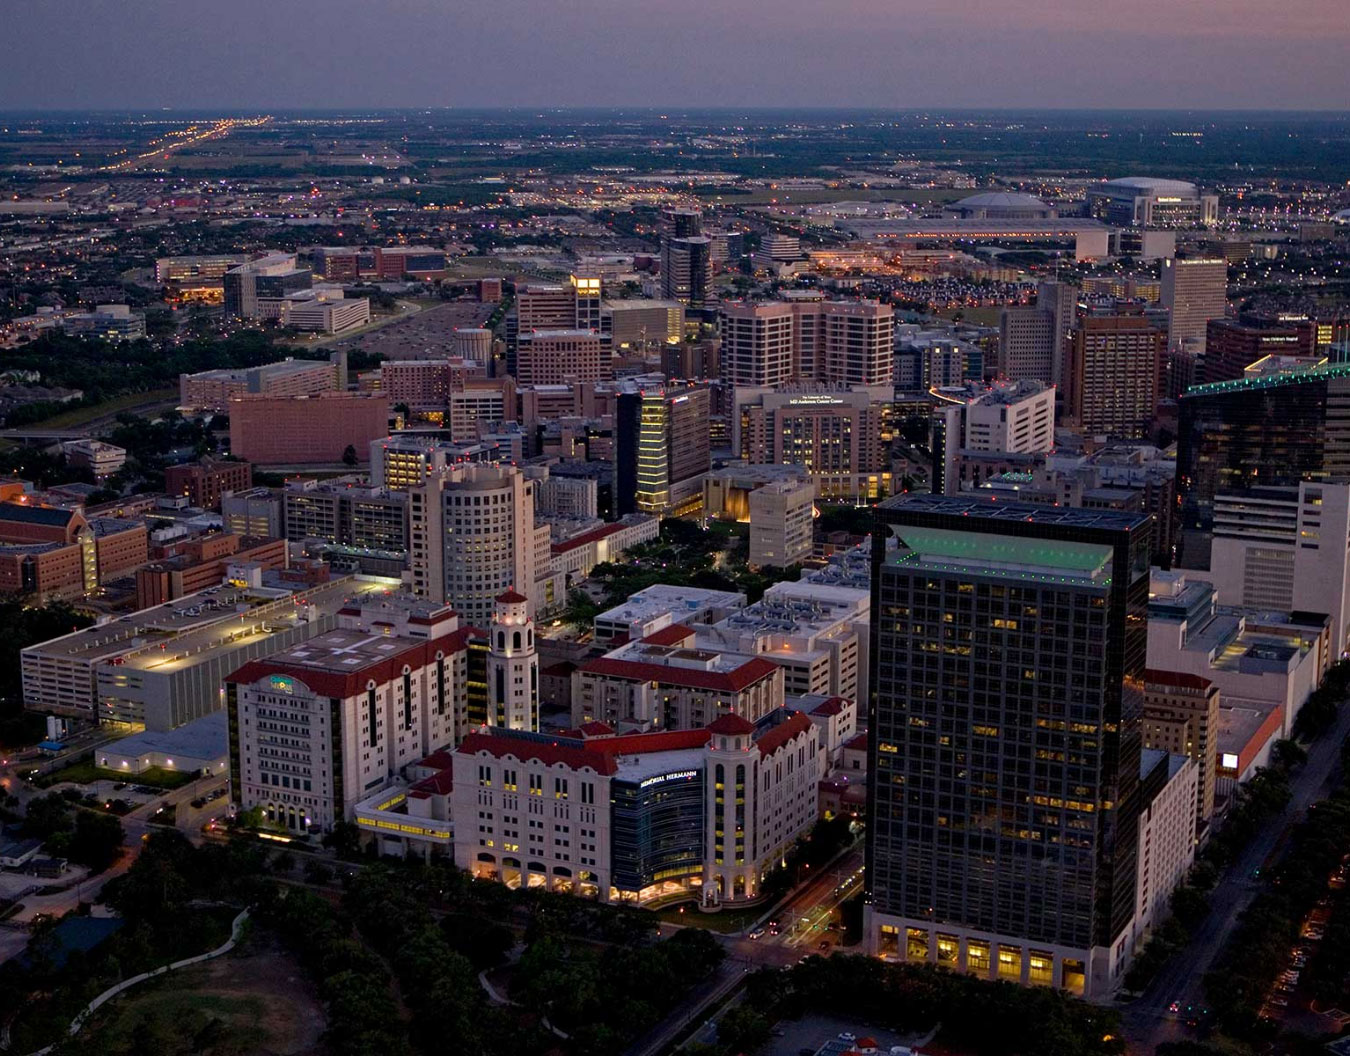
<point x="1031" y="54"/>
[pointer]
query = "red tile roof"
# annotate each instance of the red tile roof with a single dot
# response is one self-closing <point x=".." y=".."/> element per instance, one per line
<point x="794" y="726"/>
<point x="600" y="755"/>
<point x="732" y="725"/>
<point x="833" y="706"/>
<point x="754" y="670"/>
<point x="857" y="743"/>
<point x="512" y="597"/>
<point x="1176" y="678"/>
<point x="585" y="538"/>
<point x="440" y="784"/>
<point x="675" y="634"/>
<point x="442" y="759"/>
<point x="349" y="683"/>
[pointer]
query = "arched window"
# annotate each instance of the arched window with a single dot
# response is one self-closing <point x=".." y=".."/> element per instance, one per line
<point x="515" y="640"/>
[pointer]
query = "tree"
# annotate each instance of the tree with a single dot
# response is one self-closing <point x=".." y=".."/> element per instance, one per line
<point x="742" y="1029"/>
<point x="345" y="839"/>
<point x="349" y="457"/>
<point x="46" y="816"/>
<point x="581" y="610"/>
<point x="97" y="840"/>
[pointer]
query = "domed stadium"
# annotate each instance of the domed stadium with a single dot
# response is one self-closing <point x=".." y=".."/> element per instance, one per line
<point x="999" y="205"/>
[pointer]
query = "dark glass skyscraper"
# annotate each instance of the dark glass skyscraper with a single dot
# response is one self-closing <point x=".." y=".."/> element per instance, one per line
<point x="1008" y="655"/>
<point x="1266" y="430"/>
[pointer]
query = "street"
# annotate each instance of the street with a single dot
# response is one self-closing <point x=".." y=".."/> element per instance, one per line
<point x="803" y="924"/>
<point x="1146" y="1020"/>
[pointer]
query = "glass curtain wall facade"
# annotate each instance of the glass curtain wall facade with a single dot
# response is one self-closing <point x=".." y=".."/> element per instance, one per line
<point x="1008" y="658"/>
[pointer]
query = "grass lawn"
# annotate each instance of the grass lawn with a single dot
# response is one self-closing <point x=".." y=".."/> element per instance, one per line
<point x="83" y="773"/>
<point x="726" y="921"/>
<point x="81" y="415"/>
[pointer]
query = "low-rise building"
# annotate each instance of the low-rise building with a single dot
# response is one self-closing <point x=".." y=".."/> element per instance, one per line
<point x="162" y="667"/>
<point x="212" y="390"/>
<point x="1251" y="655"/>
<point x="818" y="635"/>
<point x="656" y="607"/>
<point x="664" y="682"/>
<point x="575" y="557"/>
<point x="707" y="812"/>
<point x="102" y="459"/>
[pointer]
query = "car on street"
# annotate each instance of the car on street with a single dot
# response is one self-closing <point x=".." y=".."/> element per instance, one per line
<point x="757" y="933"/>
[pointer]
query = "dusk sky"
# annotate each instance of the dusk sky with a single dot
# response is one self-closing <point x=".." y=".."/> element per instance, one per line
<point x="260" y="54"/>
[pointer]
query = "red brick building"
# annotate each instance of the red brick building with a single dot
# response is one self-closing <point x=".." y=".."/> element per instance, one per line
<point x="204" y="483"/>
<point x="306" y="429"/>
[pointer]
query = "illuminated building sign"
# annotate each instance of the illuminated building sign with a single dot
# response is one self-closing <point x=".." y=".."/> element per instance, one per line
<point x="682" y="775"/>
<point x="282" y="683"/>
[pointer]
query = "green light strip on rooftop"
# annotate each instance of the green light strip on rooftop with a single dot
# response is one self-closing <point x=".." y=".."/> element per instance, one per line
<point x="991" y="548"/>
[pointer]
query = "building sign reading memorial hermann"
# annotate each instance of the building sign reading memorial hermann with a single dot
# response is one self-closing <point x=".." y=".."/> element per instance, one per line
<point x="662" y="778"/>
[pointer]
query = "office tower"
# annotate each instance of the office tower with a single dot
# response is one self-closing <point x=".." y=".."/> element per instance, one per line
<point x="661" y="446"/>
<point x="334" y="263"/>
<point x="1034" y="339"/>
<point x="1193" y="292"/>
<point x="1262" y="431"/>
<point x="946" y="437"/>
<point x="757" y="342"/>
<point x="781" y="515"/>
<point x="1003" y="795"/>
<point x="1015" y="417"/>
<point x="1143" y="201"/>
<point x="404" y="460"/>
<point x="841" y="435"/>
<point x="842" y="342"/>
<point x="681" y="223"/>
<point x="1118" y="364"/>
<point x="692" y="359"/>
<point x="686" y="257"/>
<point x="689" y="275"/>
<point x="1026" y="343"/>
<point x="574" y="306"/>
<point x="556" y="357"/>
<point x="640" y="324"/>
<point x="858" y="343"/>
<point x="346" y="514"/>
<point x="473" y="538"/>
<point x="1181" y="716"/>
<point x="1009" y="418"/>
<point x="589" y="303"/>
<point x="1232" y="345"/>
<point x="512" y="665"/>
<point x="1285" y="549"/>
<point x="315" y="729"/>
<point x="269" y="278"/>
<point x="775" y="249"/>
<point x="212" y="390"/>
<point x="1061" y="301"/>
